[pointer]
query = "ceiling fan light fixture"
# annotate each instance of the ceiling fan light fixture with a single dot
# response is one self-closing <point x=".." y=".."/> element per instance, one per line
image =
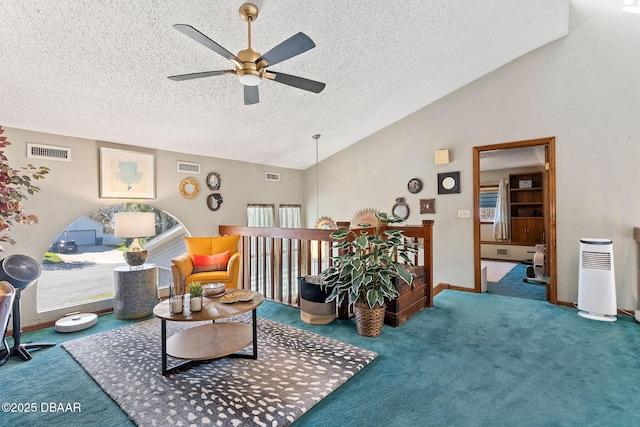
<point x="250" y="79"/>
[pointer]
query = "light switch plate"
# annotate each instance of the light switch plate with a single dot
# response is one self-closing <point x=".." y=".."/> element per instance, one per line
<point x="464" y="213"/>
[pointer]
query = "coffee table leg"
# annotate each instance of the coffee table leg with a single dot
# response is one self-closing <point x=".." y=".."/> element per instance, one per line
<point x="254" y="328"/>
<point x="163" y="333"/>
<point x="255" y="333"/>
<point x="165" y="370"/>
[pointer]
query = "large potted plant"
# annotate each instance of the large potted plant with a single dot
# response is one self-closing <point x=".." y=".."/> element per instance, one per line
<point x="367" y="268"/>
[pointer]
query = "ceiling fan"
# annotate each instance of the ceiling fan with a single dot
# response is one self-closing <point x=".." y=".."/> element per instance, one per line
<point x="250" y="66"/>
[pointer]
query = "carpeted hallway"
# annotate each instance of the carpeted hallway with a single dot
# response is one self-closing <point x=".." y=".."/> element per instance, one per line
<point x="512" y="285"/>
<point x="472" y="360"/>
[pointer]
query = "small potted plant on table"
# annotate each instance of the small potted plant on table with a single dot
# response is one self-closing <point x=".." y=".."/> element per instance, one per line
<point x="366" y="270"/>
<point x="195" y="300"/>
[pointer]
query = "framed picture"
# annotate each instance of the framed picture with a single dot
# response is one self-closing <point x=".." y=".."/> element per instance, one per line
<point x="448" y="182"/>
<point x="127" y="174"/>
<point x="427" y="206"/>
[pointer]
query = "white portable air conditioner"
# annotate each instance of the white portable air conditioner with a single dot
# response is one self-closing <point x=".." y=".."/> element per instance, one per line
<point x="596" y="280"/>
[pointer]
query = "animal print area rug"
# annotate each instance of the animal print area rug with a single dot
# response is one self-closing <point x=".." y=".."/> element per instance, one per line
<point x="295" y="369"/>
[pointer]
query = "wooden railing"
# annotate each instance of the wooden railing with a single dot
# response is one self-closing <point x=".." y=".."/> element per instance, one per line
<point x="274" y="258"/>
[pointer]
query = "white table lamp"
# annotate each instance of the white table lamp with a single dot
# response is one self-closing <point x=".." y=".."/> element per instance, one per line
<point x="135" y="225"/>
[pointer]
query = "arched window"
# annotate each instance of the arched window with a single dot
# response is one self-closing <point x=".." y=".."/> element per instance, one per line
<point x="78" y="267"/>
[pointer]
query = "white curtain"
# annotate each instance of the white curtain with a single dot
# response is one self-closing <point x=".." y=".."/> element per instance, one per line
<point x="290" y="216"/>
<point x="260" y="216"/>
<point x="501" y="221"/>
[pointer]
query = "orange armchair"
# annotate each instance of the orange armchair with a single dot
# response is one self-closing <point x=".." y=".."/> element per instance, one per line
<point x="211" y="249"/>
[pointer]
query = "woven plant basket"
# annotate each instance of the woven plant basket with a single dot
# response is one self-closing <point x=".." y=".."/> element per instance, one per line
<point x="369" y="321"/>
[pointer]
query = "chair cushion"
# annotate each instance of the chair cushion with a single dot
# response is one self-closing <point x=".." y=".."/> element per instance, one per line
<point x="212" y="245"/>
<point x="209" y="277"/>
<point x="217" y="262"/>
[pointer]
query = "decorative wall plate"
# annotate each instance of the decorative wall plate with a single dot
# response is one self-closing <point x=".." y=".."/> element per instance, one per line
<point x="401" y="208"/>
<point x="448" y="182"/>
<point x="364" y="216"/>
<point x="189" y="188"/>
<point x="326" y="223"/>
<point x="414" y="185"/>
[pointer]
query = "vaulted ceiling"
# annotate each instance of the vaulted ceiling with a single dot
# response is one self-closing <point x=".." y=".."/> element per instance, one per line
<point x="98" y="69"/>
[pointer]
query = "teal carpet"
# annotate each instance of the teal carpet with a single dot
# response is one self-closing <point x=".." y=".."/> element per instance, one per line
<point x="472" y="360"/>
<point x="512" y="285"/>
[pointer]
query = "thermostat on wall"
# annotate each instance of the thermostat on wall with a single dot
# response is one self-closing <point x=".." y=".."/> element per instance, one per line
<point x="73" y="322"/>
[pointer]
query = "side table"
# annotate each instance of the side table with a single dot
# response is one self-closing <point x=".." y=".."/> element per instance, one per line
<point x="136" y="291"/>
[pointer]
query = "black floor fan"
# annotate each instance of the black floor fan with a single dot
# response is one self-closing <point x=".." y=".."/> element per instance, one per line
<point x="21" y="271"/>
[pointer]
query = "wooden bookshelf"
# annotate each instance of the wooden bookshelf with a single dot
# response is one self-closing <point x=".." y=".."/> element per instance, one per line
<point x="527" y="208"/>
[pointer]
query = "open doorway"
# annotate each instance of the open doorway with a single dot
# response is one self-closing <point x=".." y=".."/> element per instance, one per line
<point x="525" y="224"/>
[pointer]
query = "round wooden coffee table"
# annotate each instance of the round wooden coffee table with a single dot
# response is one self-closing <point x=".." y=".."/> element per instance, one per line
<point x="212" y="340"/>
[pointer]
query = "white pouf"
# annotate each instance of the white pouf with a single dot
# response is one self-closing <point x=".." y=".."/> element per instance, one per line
<point x="76" y="322"/>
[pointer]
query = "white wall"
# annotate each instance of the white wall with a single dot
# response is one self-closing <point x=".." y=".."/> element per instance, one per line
<point x="582" y="89"/>
<point x="71" y="190"/>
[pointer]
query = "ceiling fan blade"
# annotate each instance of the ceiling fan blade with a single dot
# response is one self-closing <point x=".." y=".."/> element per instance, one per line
<point x="289" y="48"/>
<point x="251" y="95"/>
<point x="299" y="82"/>
<point x="196" y="35"/>
<point x="191" y="76"/>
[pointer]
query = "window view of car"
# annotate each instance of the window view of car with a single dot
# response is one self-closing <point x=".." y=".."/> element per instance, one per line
<point x="87" y="251"/>
<point x="64" y="246"/>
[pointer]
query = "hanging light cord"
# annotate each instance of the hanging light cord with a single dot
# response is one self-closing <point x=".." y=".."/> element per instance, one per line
<point x="317" y="137"/>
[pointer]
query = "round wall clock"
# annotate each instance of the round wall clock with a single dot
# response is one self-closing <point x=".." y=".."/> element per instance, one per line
<point x="414" y="185"/>
<point x="189" y="188"/>
<point x="401" y="208"/>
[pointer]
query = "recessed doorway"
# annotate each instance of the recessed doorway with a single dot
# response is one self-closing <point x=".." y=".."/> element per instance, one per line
<point x="528" y="210"/>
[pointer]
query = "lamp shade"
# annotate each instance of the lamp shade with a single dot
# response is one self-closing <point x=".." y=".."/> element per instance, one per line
<point x="135" y="224"/>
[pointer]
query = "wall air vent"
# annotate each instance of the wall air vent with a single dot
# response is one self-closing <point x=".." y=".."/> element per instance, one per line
<point x="48" y="152"/>
<point x="271" y="176"/>
<point x="187" y="167"/>
<point x="504" y="252"/>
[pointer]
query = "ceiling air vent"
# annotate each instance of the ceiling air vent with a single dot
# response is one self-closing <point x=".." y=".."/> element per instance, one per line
<point x="271" y="176"/>
<point x="186" y="167"/>
<point x="48" y="152"/>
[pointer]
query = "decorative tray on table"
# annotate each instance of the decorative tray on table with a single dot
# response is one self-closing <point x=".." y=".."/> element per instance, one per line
<point x="232" y="297"/>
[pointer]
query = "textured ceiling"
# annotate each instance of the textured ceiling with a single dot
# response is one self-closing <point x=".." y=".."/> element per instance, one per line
<point x="98" y="69"/>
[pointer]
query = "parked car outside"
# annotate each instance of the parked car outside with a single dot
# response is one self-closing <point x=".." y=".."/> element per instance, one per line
<point x="64" y="246"/>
